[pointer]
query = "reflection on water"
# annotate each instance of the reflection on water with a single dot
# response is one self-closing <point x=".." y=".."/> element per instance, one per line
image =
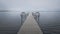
<point x="36" y="16"/>
<point x="48" y="21"/>
<point x="10" y="22"/>
<point x="23" y="17"/>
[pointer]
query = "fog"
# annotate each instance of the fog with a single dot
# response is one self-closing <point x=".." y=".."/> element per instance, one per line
<point x="30" y="5"/>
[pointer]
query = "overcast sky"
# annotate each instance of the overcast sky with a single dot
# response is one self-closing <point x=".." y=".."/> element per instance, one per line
<point x="28" y="5"/>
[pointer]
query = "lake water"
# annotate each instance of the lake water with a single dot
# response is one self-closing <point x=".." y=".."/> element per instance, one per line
<point x="49" y="21"/>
